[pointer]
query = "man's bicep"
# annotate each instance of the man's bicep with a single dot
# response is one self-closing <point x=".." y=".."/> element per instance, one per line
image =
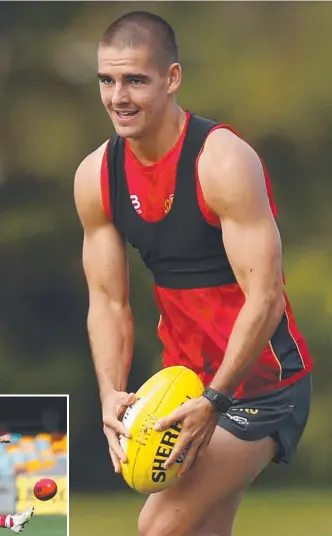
<point x="105" y="264"/>
<point x="104" y="256"/>
<point x="237" y="193"/>
<point x="254" y="250"/>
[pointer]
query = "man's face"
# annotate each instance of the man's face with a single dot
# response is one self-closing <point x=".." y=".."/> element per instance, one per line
<point x="133" y="90"/>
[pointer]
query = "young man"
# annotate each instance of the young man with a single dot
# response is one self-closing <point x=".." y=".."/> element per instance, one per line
<point x="15" y="522"/>
<point x="196" y="201"/>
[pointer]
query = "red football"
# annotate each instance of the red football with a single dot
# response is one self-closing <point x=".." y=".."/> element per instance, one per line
<point x="45" y="489"/>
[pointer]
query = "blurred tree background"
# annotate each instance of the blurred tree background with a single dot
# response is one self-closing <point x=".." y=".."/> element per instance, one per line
<point x="262" y="67"/>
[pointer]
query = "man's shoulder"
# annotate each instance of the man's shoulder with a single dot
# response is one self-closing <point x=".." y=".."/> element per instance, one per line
<point x="228" y="163"/>
<point x="224" y="137"/>
<point x="224" y="146"/>
<point x="91" y="163"/>
<point x="218" y="135"/>
<point x="87" y="180"/>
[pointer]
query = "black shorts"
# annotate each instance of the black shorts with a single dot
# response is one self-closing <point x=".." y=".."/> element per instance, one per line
<point x="281" y="414"/>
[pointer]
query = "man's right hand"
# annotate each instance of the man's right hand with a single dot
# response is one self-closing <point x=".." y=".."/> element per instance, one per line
<point x="113" y="408"/>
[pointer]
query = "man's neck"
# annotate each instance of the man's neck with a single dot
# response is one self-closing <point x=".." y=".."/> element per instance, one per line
<point x="150" y="149"/>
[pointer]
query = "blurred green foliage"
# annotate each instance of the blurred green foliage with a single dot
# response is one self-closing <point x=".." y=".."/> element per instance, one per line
<point x="264" y="68"/>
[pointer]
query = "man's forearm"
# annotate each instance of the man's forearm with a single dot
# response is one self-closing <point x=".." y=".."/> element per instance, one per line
<point x="111" y="335"/>
<point x="254" y="327"/>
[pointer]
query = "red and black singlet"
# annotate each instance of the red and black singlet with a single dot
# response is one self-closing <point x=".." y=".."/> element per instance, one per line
<point x="160" y="210"/>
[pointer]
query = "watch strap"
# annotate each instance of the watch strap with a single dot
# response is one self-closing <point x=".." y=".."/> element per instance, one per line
<point x="220" y="400"/>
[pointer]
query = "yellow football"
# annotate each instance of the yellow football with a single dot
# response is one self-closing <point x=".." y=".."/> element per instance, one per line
<point x="148" y="449"/>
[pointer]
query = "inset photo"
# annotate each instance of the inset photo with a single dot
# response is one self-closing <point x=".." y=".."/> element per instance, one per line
<point x="34" y="482"/>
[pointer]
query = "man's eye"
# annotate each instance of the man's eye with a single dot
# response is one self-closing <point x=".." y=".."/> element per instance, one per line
<point x="106" y="81"/>
<point x="136" y="81"/>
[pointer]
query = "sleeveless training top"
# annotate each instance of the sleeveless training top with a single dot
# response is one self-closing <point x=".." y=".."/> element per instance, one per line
<point x="160" y="210"/>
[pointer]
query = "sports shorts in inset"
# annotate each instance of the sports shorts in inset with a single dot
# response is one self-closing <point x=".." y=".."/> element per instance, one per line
<point x="281" y="414"/>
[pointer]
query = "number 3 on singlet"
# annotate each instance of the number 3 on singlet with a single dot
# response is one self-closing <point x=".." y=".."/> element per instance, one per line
<point x="135" y="202"/>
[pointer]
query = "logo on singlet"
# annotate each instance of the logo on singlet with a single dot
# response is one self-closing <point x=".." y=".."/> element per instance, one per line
<point x="168" y="203"/>
<point x="136" y="203"/>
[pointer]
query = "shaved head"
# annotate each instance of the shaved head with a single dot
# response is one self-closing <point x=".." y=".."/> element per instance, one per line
<point x="141" y="28"/>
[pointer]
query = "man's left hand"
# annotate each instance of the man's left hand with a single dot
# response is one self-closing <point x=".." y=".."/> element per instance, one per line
<point x="198" y="418"/>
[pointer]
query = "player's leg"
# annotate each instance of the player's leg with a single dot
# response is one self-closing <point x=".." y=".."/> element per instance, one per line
<point x="228" y="466"/>
<point x="16" y="522"/>
<point x="220" y="520"/>
<point x="205" y="500"/>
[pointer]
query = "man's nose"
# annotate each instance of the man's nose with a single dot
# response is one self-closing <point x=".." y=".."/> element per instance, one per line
<point x="120" y="95"/>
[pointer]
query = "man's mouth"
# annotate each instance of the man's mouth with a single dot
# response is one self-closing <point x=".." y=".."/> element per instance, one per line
<point x="126" y="115"/>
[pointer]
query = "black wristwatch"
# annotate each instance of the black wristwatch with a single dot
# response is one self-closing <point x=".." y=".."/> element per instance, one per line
<point x="220" y="401"/>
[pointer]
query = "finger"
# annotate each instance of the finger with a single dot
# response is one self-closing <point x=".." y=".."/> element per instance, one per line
<point x="130" y="400"/>
<point x="126" y="399"/>
<point x="122" y="397"/>
<point x="115" y="461"/>
<point x="180" y="447"/>
<point x="208" y="437"/>
<point x="167" y="421"/>
<point x="200" y="451"/>
<point x="189" y="458"/>
<point x="114" y="444"/>
<point x="117" y="426"/>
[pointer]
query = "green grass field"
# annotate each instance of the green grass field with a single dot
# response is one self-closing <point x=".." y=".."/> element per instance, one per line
<point x="46" y="526"/>
<point x="286" y="513"/>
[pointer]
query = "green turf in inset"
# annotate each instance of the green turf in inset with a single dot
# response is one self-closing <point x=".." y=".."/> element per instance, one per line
<point x="46" y="525"/>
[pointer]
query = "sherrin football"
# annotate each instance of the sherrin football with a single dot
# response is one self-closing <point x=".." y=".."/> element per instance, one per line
<point x="45" y="489"/>
<point x="148" y="449"/>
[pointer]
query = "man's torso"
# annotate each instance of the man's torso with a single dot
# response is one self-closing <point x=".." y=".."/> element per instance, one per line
<point x="195" y="323"/>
